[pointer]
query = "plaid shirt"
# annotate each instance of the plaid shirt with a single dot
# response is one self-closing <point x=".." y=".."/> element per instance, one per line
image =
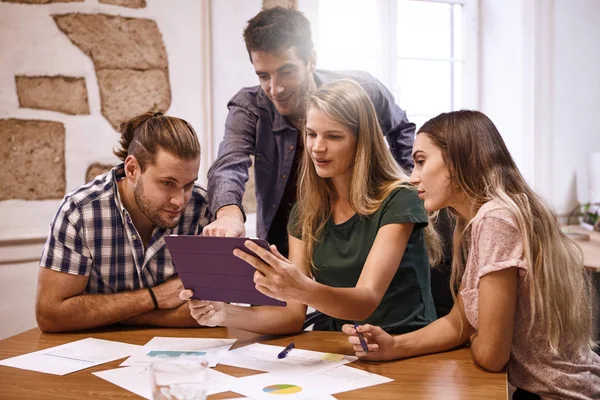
<point x="92" y="234"/>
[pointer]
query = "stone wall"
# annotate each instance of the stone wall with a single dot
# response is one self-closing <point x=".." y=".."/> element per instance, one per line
<point x="280" y="3"/>
<point x="56" y="93"/>
<point x="71" y="73"/>
<point x="130" y="61"/>
<point x="33" y="155"/>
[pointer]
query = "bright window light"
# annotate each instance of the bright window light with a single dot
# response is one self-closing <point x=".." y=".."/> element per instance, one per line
<point x="417" y="48"/>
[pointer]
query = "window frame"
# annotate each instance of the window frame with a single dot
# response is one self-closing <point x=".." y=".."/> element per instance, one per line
<point x="387" y="11"/>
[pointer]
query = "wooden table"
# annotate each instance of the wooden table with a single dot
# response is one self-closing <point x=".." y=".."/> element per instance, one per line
<point x="589" y="248"/>
<point x="450" y="375"/>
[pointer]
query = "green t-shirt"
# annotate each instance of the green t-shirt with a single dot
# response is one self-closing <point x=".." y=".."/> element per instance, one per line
<point x="340" y="255"/>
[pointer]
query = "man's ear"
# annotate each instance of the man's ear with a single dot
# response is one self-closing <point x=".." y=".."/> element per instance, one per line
<point x="132" y="167"/>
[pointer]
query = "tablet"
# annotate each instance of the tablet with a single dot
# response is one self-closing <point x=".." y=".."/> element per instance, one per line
<point x="207" y="266"/>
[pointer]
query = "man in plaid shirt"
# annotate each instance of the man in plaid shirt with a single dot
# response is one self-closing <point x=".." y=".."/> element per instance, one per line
<point x="105" y="260"/>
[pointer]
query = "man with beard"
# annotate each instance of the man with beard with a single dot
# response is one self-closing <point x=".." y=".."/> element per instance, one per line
<point x="266" y="121"/>
<point x="105" y="259"/>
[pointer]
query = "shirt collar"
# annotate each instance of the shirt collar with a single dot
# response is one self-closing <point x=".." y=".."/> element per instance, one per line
<point x="116" y="174"/>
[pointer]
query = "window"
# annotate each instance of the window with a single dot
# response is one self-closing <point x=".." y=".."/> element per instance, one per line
<point x="424" y="51"/>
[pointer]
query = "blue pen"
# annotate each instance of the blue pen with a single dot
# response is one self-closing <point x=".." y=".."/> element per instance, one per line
<point x="285" y="351"/>
<point x="363" y="343"/>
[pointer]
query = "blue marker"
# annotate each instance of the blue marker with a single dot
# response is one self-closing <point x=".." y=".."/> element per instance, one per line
<point x="363" y="343"/>
<point x="285" y="351"/>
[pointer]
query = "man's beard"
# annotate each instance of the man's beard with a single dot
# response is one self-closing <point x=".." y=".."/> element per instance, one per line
<point x="152" y="213"/>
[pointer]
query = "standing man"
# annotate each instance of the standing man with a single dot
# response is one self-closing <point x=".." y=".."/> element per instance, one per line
<point x="105" y="259"/>
<point x="266" y="121"/>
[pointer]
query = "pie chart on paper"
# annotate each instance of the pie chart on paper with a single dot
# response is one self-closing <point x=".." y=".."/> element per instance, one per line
<point x="282" y="389"/>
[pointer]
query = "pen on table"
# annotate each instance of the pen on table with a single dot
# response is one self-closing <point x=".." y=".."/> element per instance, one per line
<point x="361" y="337"/>
<point x="285" y="351"/>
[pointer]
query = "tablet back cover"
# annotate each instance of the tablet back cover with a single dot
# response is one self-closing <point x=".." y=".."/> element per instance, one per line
<point x="207" y="265"/>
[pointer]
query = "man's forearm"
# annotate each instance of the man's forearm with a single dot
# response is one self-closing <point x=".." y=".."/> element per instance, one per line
<point x="93" y="310"/>
<point x="178" y="317"/>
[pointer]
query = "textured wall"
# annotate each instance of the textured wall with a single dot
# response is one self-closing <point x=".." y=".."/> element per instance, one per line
<point x="96" y="169"/>
<point x="33" y="155"/>
<point x="130" y="61"/>
<point x="41" y="1"/>
<point x="126" y="60"/>
<point x="55" y="93"/>
<point x="280" y="3"/>
<point x="126" y="3"/>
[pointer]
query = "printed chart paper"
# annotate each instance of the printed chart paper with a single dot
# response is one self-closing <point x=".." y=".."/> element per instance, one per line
<point x="277" y="386"/>
<point x="71" y="357"/>
<point x="297" y="363"/>
<point x="170" y="348"/>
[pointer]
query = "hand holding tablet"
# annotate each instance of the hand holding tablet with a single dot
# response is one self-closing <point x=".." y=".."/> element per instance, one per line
<point x="207" y="266"/>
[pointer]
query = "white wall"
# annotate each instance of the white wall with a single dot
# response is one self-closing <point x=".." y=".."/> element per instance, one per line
<point x="31" y="44"/>
<point x="576" y="102"/>
<point x="540" y="84"/>
<point x="502" y="72"/>
<point x="17" y="298"/>
<point x="231" y="67"/>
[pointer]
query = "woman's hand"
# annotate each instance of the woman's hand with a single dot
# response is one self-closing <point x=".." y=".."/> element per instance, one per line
<point x="206" y="313"/>
<point x="275" y="275"/>
<point x="381" y="345"/>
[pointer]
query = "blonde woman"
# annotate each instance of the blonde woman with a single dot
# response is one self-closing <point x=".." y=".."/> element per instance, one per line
<point x="524" y="298"/>
<point x="357" y="229"/>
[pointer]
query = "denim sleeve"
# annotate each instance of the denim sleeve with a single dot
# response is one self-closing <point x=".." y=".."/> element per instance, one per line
<point x="228" y="175"/>
<point x="398" y="131"/>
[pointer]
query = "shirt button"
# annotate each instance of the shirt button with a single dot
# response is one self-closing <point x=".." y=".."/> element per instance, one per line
<point x="134" y="237"/>
<point x="274" y="205"/>
<point x="291" y="147"/>
<point x="283" y="176"/>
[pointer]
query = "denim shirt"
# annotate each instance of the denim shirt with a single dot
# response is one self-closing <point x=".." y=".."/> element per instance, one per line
<point x="254" y="127"/>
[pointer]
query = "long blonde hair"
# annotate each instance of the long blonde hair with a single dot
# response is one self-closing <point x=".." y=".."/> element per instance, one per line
<point x="481" y="166"/>
<point x="375" y="173"/>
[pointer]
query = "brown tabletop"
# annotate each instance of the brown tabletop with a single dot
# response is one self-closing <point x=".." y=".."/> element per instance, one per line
<point x="590" y="248"/>
<point x="450" y="375"/>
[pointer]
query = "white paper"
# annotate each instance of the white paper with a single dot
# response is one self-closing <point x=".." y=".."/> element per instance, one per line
<point x="71" y="357"/>
<point x="297" y="363"/>
<point x="138" y="380"/>
<point x="344" y="379"/>
<point x="275" y="386"/>
<point x="161" y="348"/>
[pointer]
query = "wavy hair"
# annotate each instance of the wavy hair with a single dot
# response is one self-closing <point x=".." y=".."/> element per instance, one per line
<point x="481" y="166"/>
<point x="375" y="172"/>
<point x="276" y="29"/>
